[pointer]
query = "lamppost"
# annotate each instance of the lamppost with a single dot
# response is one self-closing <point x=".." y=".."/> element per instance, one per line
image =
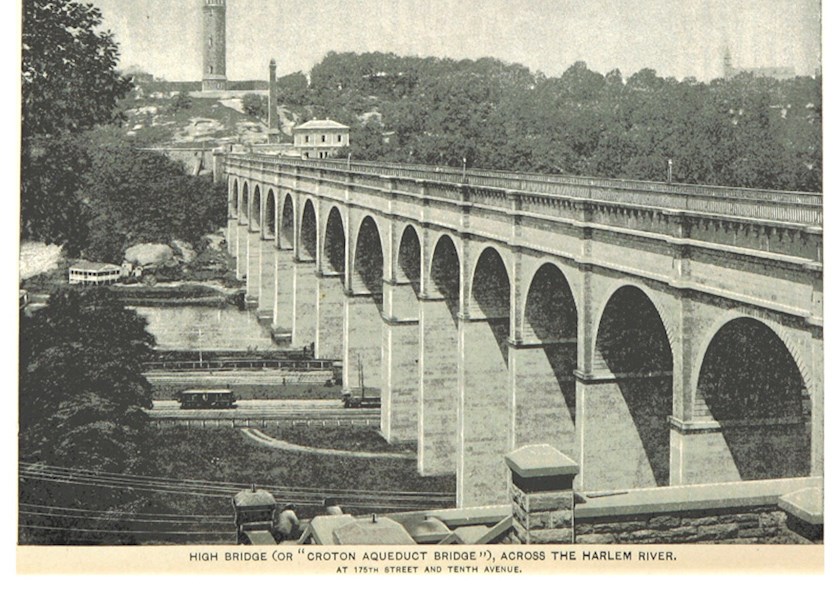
<point x="464" y="169"/>
<point x="670" y="169"/>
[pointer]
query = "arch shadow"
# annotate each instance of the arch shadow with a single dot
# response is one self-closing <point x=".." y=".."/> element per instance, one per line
<point x="551" y="313"/>
<point x="491" y="294"/>
<point x="633" y="346"/>
<point x="753" y="388"/>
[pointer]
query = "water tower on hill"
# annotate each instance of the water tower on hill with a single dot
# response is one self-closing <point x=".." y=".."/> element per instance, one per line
<point x="213" y="19"/>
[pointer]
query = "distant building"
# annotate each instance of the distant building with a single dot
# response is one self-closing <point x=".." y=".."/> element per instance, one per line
<point x="94" y="273"/>
<point x="777" y="72"/>
<point x="213" y="41"/>
<point x="321" y="138"/>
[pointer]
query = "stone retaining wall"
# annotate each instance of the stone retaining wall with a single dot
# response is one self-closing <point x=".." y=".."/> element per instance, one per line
<point x="764" y="525"/>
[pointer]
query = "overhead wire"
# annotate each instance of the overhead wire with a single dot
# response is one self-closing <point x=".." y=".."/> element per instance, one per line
<point x="210" y="489"/>
<point x="130" y="532"/>
<point x="237" y="484"/>
<point x="117" y="512"/>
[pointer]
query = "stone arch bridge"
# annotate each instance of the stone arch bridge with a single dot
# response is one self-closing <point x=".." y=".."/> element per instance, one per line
<point x="659" y="334"/>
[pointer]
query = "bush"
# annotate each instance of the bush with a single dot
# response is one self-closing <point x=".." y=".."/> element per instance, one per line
<point x="254" y="105"/>
<point x="182" y="102"/>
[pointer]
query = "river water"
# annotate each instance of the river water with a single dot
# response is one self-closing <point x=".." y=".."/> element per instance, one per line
<point x="206" y="328"/>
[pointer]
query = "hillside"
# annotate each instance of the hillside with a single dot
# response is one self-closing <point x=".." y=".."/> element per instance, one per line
<point x="206" y="120"/>
<point x="745" y="131"/>
<point x="179" y="115"/>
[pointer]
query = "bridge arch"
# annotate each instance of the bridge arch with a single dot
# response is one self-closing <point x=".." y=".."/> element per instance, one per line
<point x="269" y="231"/>
<point x="633" y="362"/>
<point x="751" y="384"/>
<point x="244" y="202"/>
<point x="489" y="255"/>
<point x="409" y="258"/>
<point x="445" y="274"/>
<point x="255" y="209"/>
<point x="286" y="237"/>
<point x="550" y="310"/>
<point x="368" y="258"/>
<point x="233" y="198"/>
<point x="308" y="247"/>
<point x="793" y="347"/>
<point x="654" y="299"/>
<point x="334" y="241"/>
<point x="490" y="285"/>
<point x="544" y="384"/>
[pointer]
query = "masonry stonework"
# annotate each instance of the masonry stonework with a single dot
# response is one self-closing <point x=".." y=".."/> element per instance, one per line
<point x="438" y="396"/>
<point x="704" y="266"/>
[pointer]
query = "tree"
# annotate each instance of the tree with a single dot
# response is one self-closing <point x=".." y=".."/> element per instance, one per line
<point x="182" y="101"/>
<point x="82" y="396"/>
<point x="80" y="362"/>
<point x="254" y="105"/>
<point x="69" y="84"/>
<point x="146" y="197"/>
<point x="51" y="211"/>
<point x="292" y="89"/>
<point x="69" y="77"/>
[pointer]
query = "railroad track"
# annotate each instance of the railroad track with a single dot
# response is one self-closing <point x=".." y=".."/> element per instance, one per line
<point x="265" y="409"/>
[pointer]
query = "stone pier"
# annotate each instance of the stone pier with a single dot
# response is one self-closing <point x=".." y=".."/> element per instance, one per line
<point x="543" y="387"/>
<point x="329" y="329"/>
<point x="400" y="362"/>
<point x="362" y="341"/>
<point x="252" y="282"/>
<point x="485" y="415"/>
<point x="284" y="294"/>
<point x="437" y="432"/>
<point x="268" y="279"/>
<point x="303" y="303"/>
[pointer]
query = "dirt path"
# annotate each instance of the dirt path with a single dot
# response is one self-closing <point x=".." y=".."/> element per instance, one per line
<point x="262" y="438"/>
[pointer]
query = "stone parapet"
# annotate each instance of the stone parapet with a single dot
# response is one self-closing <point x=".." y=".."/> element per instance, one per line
<point x="542" y="499"/>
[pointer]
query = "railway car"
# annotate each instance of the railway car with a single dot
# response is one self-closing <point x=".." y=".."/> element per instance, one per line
<point x="206" y="398"/>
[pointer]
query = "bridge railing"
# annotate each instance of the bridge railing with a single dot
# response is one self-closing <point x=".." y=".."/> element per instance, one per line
<point x="782" y="206"/>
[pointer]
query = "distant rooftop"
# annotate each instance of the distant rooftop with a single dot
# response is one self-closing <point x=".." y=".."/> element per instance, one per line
<point x="321" y="124"/>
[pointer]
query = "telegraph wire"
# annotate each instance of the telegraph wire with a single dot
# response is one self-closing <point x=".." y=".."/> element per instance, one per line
<point x="238" y="485"/>
<point x="119" y="512"/>
<point x="127" y="532"/>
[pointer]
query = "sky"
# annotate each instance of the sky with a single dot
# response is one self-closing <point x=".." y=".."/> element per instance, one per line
<point x="677" y="38"/>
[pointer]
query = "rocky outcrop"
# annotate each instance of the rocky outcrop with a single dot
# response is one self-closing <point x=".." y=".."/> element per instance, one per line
<point x="143" y="254"/>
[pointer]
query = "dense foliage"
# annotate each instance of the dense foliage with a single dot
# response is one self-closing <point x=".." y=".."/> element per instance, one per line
<point x="140" y="196"/>
<point x="82" y="184"/>
<point x="81" y="398"/>
<point x="255" y="105"/>
<point x="745" y="131"/>
<point x="81" y="379"/>
<point x="69" y="83"/>
<point x="69" y="75"/>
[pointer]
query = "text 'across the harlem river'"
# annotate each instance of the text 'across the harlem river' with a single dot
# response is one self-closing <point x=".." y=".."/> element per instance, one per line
<point x="431" y="561"/>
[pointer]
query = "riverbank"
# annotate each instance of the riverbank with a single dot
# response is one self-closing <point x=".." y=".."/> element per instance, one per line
<point x="179" y="293"/>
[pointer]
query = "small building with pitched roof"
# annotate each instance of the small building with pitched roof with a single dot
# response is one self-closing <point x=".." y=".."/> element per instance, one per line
<point x="321" y="138"/>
